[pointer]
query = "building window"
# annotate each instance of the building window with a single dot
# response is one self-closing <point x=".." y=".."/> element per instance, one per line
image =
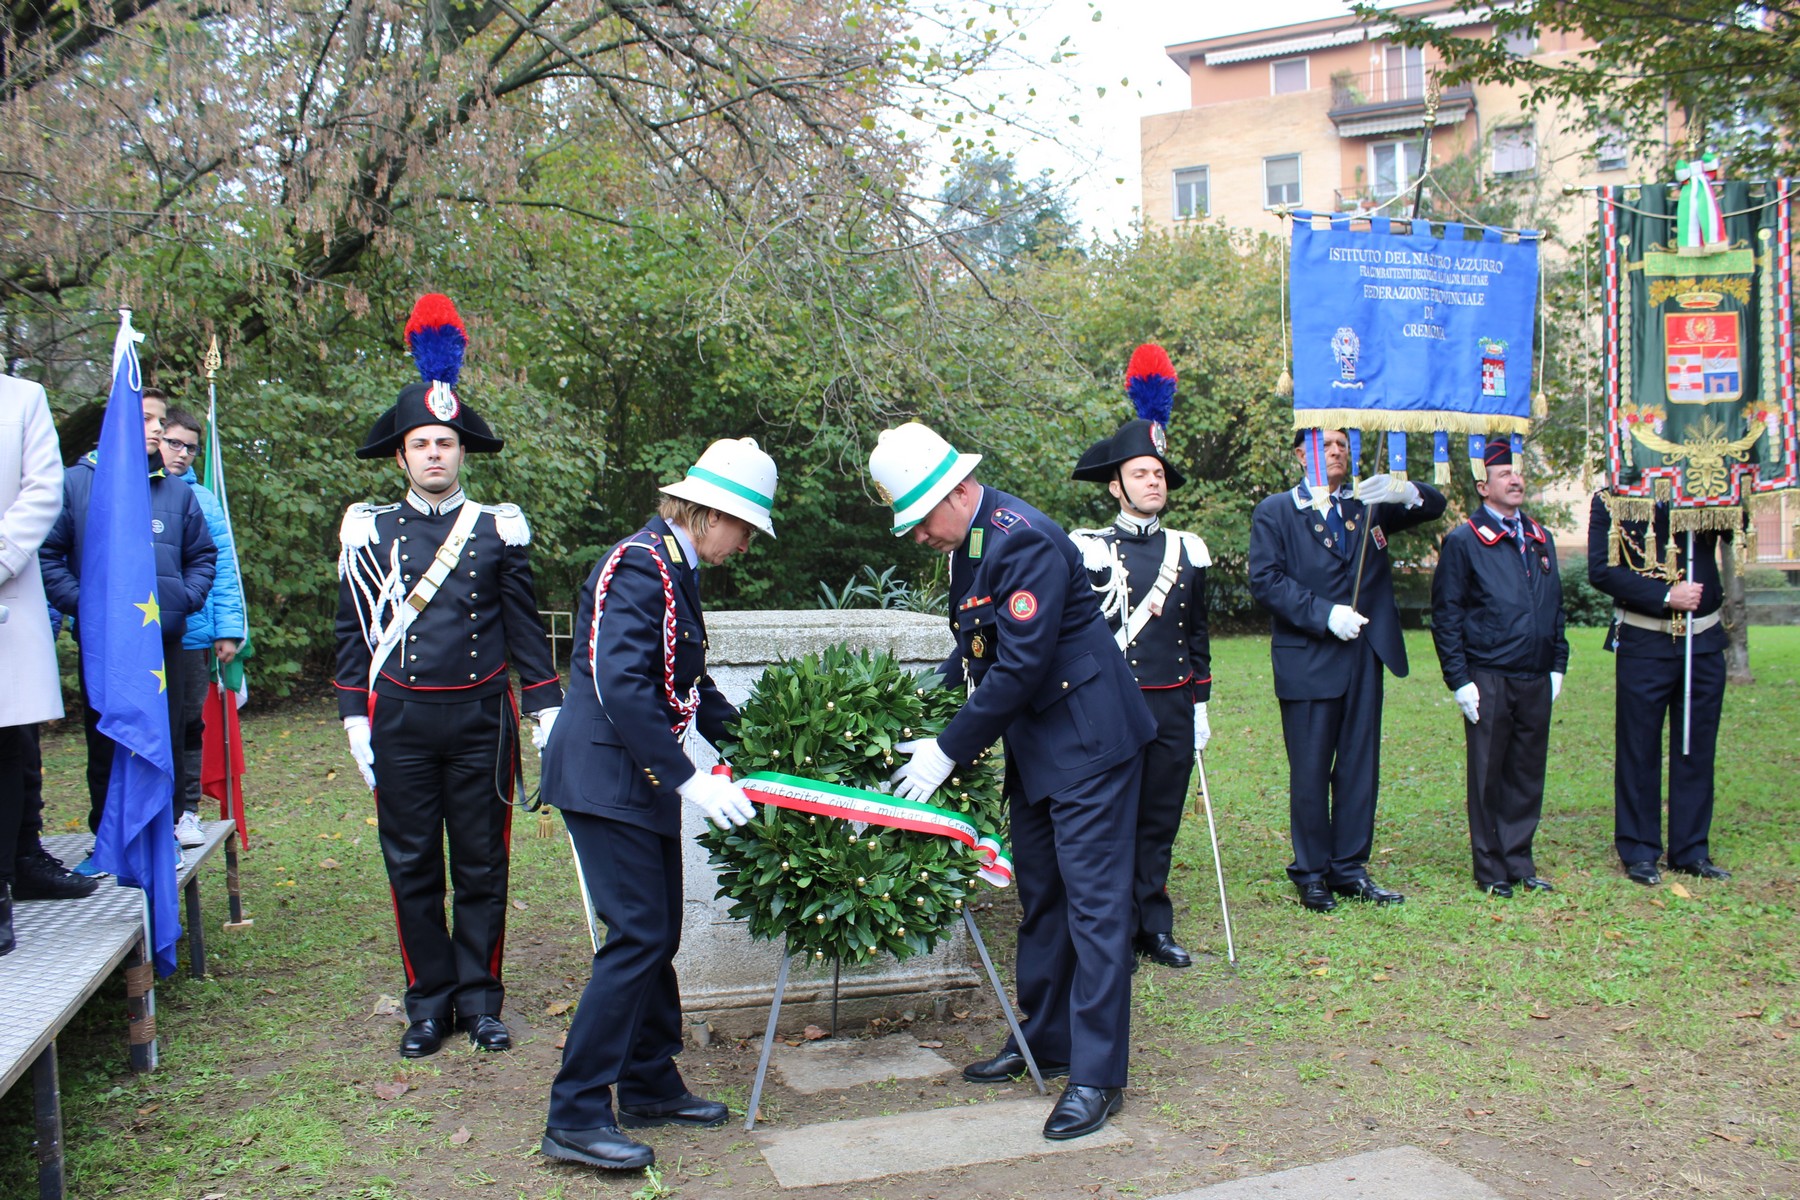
<point x="1281" y="180"/>
<point x="1520" y="43"/>
<point x="1515" y="151"/>
<point x="1394" y="167"/>
<point x="1288" y="75"/>
<point x="1403" y="71"/>
<point x="1190" y="193"/>
<point x="1609" y="152"/>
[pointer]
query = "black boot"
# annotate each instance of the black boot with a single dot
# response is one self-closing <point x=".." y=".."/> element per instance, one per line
<point x="6" y="934"/>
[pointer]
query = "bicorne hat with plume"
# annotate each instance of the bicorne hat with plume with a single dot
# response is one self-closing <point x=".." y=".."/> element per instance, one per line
<point x="1150" y="382"/>
<point x="436" y="337"/>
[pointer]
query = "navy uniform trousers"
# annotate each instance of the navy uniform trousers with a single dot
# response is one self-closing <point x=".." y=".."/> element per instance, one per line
<point x="445" y="771"/>
<point x="1074" y="849"/>
<point x="1508" y="751"/>
<point x="1334" y="768"/>
<point x="628" y="1026"/>
<point x="1167" y="766"/>
<point x="1648" y="690"/>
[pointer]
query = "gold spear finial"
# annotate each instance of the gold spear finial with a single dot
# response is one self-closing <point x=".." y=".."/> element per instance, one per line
<point x="212" y="362"/>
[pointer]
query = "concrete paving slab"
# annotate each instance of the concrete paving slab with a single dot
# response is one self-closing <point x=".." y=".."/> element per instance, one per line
<point x="875" y="1147"/>
<point x="833" y="1064"/>
<point x="1400" y="1173"/>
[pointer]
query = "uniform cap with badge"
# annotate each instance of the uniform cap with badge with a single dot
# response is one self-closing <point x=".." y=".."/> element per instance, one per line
<point x="735" y="477"/>
<point x="436" y="338"/>
<point x="913" y="469"/>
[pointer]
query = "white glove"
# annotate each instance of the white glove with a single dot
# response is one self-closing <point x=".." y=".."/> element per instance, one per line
<point x="722" y="801"/>
<point x="1468" y="698"/>
<point x="924" y="772"/>
<point x="1202" y="731"/>
<point x="357" y="730"/>
<point x="1556" y="678"/>
<point x="1345" y="621"/>
<point x="1385" y="489"/>
<point x="546" y="717"/>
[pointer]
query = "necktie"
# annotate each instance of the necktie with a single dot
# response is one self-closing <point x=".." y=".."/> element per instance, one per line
<point x="1340" y="537"/>
<point x="1516" y="528"/>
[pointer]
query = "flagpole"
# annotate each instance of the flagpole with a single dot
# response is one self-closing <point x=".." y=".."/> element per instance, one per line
<point x="1687" y="683"/>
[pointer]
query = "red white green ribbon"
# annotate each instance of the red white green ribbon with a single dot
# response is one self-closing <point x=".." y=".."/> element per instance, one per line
<point x="874" y="808"/>
<point x="1699" y="222"/>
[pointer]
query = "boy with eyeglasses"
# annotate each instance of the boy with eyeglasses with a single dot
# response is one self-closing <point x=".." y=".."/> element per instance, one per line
<point x="218" y="627"/>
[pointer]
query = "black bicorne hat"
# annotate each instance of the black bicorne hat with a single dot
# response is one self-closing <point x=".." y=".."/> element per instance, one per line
<point x="435" y="335"/>
<point x="1135" y="439"/>
<point x="428" y="404"/>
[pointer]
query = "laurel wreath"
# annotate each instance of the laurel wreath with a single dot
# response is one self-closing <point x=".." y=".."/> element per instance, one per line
<point x="831" y="888"/>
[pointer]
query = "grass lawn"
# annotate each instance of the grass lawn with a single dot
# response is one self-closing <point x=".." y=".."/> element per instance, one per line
<point x="1607" y="1040"/>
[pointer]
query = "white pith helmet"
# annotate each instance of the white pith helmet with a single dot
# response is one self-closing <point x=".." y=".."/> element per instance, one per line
<point x="735" y="477"/>
<point x="913" y="469"/>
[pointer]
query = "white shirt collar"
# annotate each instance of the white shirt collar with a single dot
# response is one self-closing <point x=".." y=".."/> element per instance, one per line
<point x="450" y="503"/>
<point x="1302" y="493"/>
<point x="1517" y="516"/>
<point x="687" y="545"/>
<point x="1137" y="527"/>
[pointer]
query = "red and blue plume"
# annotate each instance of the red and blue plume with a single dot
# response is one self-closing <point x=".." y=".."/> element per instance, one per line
<point x="436" y="337"/>
<point x="1150" y="382"/>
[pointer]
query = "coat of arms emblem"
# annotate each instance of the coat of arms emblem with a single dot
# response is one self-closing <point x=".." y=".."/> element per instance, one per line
<point x="1703" y="355"/>
<point x="1346" y="347"/>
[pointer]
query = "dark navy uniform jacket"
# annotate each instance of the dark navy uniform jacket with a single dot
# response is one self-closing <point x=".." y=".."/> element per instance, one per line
<point x="483" y="619"/>
<point x="1172" y="650"/>
<point x="1644" y="594"/>
<point x="1494" y="609"/>
<point x="614" y="753"/>
<point x="1048" y="676"/>
<point x="1298" y="574"/>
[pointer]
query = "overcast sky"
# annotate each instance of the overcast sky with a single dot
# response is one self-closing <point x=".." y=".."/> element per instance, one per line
<point x="1127" y="44"/>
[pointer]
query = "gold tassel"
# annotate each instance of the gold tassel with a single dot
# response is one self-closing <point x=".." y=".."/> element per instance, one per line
<point x="1440" y="474"/>
<point x="1540" y="406"/>
<point x="546" y="828"/>
<point x="1284" y="386"/>
<point x="1663" y="488"/>
<point x="1706" y="520"/>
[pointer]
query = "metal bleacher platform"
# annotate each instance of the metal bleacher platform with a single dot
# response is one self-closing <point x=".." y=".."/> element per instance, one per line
<point x="66" y="950"/>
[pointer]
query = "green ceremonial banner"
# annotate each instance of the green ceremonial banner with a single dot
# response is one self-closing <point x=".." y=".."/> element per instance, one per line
<point x="1699" y="352"/>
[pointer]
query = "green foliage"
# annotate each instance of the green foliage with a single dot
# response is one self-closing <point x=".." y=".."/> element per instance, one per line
<point x="827" y="888"/>
<point x="1583" y="603"/>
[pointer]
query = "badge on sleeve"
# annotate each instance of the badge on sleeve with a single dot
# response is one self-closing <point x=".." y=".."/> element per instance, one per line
<point x="1378" y="537"/>
<point x="1023" y="606"/>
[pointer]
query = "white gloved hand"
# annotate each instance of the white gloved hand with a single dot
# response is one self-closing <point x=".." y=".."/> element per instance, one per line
<point x="361" y="749"/>
<point x="924" y="772"/>
<point x="1468" y="698"/>
<point x="1345" y="621"/>
<point x="1385" y="489"/>
<point x="546" y="718"/>
<point x="1556" y="678"/>
<point x="1202" y="731"/>
<point x="722" y="801"/>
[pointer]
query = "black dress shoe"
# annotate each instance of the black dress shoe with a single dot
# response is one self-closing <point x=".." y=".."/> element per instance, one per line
<point x="685" y="1109"/>
<point x="1316" y="896"/>
<point x="488" y="1032"/>
<point x="1082" y="1110"/>
<point x="1008" y="1065"/>
<point x="1703" y="869"/>
<point x="1365" y="889"/>
<point x="604" y="1147"/>
<point x="38" y="876"/>
<point x="1163" y="948"/>
<point x="423" y="1037"/>
<point x="1502" y="890"/>
<point x="1643" y="872"/>
<point x="1535" y="883"/>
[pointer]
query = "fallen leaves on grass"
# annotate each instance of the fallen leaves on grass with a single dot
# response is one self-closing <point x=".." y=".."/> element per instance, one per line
<point x="461" y="1135"/>
<point x="385" y="1006"/>
<point x="1582" y="1162"/>
<point x="557" y="1008"/>
<point x="392" y="1091"/>
<point x="1725" y="1137"/>
<point x="813" y="1033"/>
<point x="1383" y="977"/>
<point x="369" y="821"/>
<point x="1538" y="1016"/>
<point x="1479" y="1112"/>
<point x="329" y="864"/>
<point x="1749" y="1014"/>
<point x="520" y="904"/>
<point x="931" y="1045"/>
<point x="1681" y="891"/>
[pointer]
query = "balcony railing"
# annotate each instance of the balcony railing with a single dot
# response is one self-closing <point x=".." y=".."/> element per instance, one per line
<point x="1397" y="89"/>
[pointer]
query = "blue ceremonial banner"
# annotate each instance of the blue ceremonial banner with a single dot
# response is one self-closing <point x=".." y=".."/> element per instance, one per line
<point x="1396" y="328"/>
<point x="122" y="658"/>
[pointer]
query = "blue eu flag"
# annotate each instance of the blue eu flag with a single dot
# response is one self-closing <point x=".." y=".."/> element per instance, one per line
<point x="122" y="653"/>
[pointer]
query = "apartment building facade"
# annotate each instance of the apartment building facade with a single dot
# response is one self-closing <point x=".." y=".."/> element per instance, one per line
<point x="1329" y="115"/>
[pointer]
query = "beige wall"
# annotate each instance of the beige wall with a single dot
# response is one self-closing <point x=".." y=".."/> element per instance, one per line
<point x="1231" y="141"/>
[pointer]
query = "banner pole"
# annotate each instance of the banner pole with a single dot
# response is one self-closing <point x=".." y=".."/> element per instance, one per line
<point x="1687" y="682"/>
<point x="1212" y="831"/>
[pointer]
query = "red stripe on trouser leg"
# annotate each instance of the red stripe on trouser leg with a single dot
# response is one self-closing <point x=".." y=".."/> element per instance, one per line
<point x="494" y="964"/>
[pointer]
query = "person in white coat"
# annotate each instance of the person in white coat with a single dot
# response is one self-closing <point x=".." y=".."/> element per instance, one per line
<point x="30" y="687"/>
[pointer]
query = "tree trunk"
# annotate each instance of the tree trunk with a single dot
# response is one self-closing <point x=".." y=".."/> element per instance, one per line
<point x="1736" y="615"/>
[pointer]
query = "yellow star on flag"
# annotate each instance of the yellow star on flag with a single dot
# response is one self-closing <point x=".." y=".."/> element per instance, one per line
<point x="152" y="611"/>
<point x="162" y="677"/>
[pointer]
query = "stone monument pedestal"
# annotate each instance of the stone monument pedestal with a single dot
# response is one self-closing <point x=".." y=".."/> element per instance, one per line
<point x="727" y="980"/>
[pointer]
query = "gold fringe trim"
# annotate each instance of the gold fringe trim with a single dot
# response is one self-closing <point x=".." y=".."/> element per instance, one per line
<point x="1400" y="475"/>
<point x="1408" y="422"/>
<point x="1440" y="474"/>
<point x="1706" y="520"/>
<point x="1478" y="468"/>
<point x="1664" y="489"/>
